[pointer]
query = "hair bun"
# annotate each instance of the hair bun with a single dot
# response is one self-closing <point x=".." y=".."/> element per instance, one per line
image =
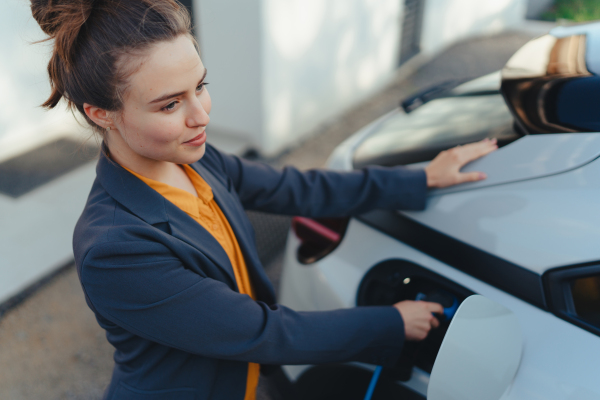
<point x="53" y="15"/>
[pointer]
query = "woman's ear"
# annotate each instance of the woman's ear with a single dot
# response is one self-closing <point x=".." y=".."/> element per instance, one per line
<point x="100" y="116"/>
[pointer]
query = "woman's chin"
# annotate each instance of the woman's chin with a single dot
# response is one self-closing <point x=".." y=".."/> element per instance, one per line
<point x="192" y="154"/>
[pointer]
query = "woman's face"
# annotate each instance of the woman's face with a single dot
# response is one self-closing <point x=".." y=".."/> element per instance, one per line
<point x="166" y="107"/>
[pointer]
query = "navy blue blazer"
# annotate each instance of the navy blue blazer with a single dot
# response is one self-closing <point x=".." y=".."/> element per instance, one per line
<point x="164" y="290"/>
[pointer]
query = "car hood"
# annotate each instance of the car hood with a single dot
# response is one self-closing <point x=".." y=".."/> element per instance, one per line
<point x="539" y="207"/>
<point x="530" y="157"/>
<point x="539" y="224"/>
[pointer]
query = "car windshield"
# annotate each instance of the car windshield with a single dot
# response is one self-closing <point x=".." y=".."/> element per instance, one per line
<point x="438" y="125"/>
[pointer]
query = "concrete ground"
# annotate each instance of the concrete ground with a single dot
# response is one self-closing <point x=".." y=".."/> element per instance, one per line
<point x="50" y="344"/>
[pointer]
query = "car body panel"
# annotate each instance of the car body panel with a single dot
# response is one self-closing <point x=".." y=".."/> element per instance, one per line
<point x="342" y="156"/>
<point x="553" y="347"/>
<point x="525" y="238"/>
<point x="537" y="224"/>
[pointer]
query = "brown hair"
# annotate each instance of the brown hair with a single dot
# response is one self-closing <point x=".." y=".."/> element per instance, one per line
<point x="94" y="41"/>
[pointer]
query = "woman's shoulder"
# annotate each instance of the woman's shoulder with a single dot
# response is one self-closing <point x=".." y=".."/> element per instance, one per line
<point x="96" y="218"/>
<point x="104" y="221"/>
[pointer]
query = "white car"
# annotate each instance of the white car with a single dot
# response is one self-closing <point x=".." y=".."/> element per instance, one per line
<point x="526" y="239"/>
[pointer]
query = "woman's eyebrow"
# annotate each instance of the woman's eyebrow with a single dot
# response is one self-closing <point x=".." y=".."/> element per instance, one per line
<point x="169" y="96"/>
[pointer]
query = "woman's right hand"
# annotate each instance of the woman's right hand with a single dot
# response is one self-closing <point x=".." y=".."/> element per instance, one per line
<point x="418" y="317"/>
<point x="444" y="170"/>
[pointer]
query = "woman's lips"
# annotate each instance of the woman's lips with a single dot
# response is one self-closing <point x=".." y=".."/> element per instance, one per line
<point x="197" y="141"/>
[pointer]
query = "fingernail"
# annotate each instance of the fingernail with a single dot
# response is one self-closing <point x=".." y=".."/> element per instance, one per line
<point x="482" y="175"/>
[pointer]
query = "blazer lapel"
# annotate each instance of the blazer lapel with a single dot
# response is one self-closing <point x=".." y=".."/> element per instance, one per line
<point x="236" y="217"/>
<point x="153" y="208"/>
<point x="184" y="228"/>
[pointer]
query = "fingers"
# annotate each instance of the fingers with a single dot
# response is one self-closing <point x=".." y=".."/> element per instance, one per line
<point x="472" y="152"/>
<point x="470" y="177"/>
<point x="418" y="317"/>
<point x="420" y="335"/>
<point x="434" y="307"/>
<point x="476" y="150"/>
<point x="425" y="326"/>
<point x="431" y="308"/>
<point x="486" y="147"/>
<point x="444" y="170"/>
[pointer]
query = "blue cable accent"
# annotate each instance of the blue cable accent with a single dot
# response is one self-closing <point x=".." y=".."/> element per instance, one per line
<point x="373" y="383"/>
<point x="450" y="311"/>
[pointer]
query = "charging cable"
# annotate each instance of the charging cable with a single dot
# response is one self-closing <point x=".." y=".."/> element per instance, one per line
<point x="373" y="383"/>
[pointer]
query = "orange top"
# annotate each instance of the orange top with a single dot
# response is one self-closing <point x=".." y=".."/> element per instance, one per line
<point x="205" y="210"/>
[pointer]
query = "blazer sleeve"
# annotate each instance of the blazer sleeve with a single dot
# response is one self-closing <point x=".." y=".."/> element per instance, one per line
<point x="142" y="287"/>
<point x="324" y="193"/>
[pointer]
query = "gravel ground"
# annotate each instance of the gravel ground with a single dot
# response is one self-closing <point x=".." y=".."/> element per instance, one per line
<point x="52" y="347"/>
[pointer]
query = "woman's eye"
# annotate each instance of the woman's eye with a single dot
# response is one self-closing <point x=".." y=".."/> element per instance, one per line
<point x="170" y="106"/>
<point x="201" y="86"/>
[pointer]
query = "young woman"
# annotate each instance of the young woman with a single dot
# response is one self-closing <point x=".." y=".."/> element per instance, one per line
<point x="164" y="251"/>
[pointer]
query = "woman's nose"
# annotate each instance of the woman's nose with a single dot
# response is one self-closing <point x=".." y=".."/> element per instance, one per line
<point x="197" y="114"/>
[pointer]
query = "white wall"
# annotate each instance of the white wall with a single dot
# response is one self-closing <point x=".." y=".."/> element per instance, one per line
<point x="279" y="68"/>
<point x="230" y="42"/>
<point x="320" y="57"/>
<point x="447" y="21"/>
<point x="24" y="84"/>
<point x="36" y="229"/>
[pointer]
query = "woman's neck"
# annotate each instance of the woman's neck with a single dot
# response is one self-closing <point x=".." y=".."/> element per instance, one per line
<point x="162" y="171"/>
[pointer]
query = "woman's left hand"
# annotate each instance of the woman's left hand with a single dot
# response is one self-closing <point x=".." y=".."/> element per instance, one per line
<point x="444" y="169"/>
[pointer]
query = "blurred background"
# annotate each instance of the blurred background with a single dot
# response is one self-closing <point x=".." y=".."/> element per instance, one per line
<point x="290" y="80"/>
